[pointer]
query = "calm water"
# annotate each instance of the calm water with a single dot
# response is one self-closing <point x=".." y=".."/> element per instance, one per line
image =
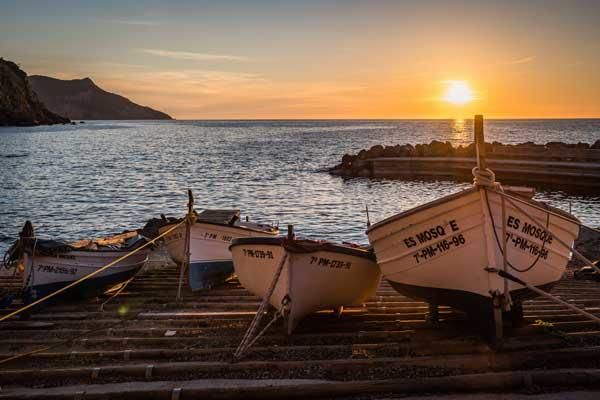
<point x="102" y="177"/>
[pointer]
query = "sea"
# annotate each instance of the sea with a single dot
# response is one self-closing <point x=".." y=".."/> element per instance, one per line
<point x="102" y="177"/>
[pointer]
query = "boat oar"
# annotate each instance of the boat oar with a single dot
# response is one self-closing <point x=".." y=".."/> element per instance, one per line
<point x="539" y="291"/>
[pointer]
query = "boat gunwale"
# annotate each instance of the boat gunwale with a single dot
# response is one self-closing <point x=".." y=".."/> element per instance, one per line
<point x="420" y="208"/>
<point x="273" y="231"/>
<point x="333" y="247"/>
<point x="533" y="203"/>
<point x="86" y="251"/>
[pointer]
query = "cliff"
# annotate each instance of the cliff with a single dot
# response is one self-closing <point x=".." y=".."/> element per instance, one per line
<point x="19" y="104"/>
<point x="83" y="99"/>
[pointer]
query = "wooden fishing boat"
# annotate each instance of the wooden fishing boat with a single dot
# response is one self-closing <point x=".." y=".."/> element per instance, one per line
<point x="449" y="251"/>
<point x="210" y="236"/>
<point x="315" y="275"/>
<point x="49" y="265"/>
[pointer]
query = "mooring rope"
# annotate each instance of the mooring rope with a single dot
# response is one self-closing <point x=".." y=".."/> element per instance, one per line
<point x="247" y="340"/>
<point x="534" y="262"/>
<point x="583" y="258"/>
<point x="88" y="276"/>
<point x="486" y="179"/>
<point x="118" y="292"/>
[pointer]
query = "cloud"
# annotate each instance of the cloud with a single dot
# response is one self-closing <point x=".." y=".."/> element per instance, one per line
<point x="187" y="55"/>
<point x="523" y="60"/>
<point x="135" y="22"/>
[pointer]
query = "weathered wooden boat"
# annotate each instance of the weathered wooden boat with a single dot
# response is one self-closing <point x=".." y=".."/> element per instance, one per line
<point x="312" y="276"/>
<point x="49" y="265"/>
<point x="211" y="234"/>
<point x="449" y="251"/>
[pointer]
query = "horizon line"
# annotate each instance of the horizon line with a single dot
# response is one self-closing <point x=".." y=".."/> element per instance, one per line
<point x="365" y="119"/>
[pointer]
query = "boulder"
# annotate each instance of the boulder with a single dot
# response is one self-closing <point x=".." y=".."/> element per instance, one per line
<point x="347" y="160"/>
<point x="375" y="151"/>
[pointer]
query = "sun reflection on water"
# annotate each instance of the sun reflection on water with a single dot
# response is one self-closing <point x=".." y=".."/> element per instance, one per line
<point x="460" y="131"/>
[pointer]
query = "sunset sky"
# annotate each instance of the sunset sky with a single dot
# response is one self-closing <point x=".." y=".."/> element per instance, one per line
<point x="320" y="59"/>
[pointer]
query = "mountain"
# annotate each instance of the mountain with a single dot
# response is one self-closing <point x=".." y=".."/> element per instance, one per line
<point x="83" y="99"/>
<point x="19" y="104"/>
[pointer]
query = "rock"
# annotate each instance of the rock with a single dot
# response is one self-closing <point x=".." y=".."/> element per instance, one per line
<point x="467" y="151"/>
<point x="530" y="144"/>
<point x="375" y="151"/>
<point x="556" y="144"/>
<point x="410" y="150"/>
<point x="440" y="149"/>
<point x="19" y="104"/>
<point x="347" y="160"/>
<point x="596" y="145"/>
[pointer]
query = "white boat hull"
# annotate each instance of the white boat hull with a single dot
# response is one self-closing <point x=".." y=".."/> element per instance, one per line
<point x="210" y="259"/>
<point x="321" y="280"/>
<point x="46" y="274"/>
<point x="441" y="252"/>
<point x="175" y="242"/>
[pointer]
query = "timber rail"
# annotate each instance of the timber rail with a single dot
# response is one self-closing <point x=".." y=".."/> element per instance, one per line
<point x="147" y="345"/>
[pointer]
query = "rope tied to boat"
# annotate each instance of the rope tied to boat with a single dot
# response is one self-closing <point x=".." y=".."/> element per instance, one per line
<point x="485" y="178"/>
<point x="249" y="338"/>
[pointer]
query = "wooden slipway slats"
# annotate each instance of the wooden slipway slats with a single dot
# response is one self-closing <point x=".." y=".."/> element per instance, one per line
<point x="145" y="336"/>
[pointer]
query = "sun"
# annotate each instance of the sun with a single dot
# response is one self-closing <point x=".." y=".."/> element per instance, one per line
<point x="458" y="92"/>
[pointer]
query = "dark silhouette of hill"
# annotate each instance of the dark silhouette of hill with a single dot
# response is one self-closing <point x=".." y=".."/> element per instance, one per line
<point x="83" y="99"/>
<point x="19" y="104"/>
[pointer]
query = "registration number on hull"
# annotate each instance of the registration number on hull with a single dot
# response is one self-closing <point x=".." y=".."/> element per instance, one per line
<point x="327" y="262"/>
<point x="440" y="247"/>
<point x="265" y="254"/>
<point x="54" y="269"/>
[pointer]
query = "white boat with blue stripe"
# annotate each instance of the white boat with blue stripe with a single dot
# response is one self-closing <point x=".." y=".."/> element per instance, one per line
<point x="49" y="265"/>
<point x="210" y="236"/>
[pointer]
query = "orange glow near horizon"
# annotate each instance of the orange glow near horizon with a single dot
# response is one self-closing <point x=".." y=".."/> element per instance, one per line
<point x="362" y="60"/>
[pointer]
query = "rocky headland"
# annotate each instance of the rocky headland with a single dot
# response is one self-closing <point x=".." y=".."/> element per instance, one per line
<point x="19" y="104"/>
<point x="83" y="99"/>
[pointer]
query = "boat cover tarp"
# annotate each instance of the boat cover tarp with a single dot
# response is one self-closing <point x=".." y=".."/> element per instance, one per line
<point x="221" y="217"/>
<point x="227" y="217"/>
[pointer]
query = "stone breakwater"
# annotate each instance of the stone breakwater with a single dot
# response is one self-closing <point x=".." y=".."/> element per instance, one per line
<point x="550" y="163"/>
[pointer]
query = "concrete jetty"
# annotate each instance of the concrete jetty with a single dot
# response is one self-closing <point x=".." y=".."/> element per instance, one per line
<point x="554" y="163"/>
<point x="145" y="345"/>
